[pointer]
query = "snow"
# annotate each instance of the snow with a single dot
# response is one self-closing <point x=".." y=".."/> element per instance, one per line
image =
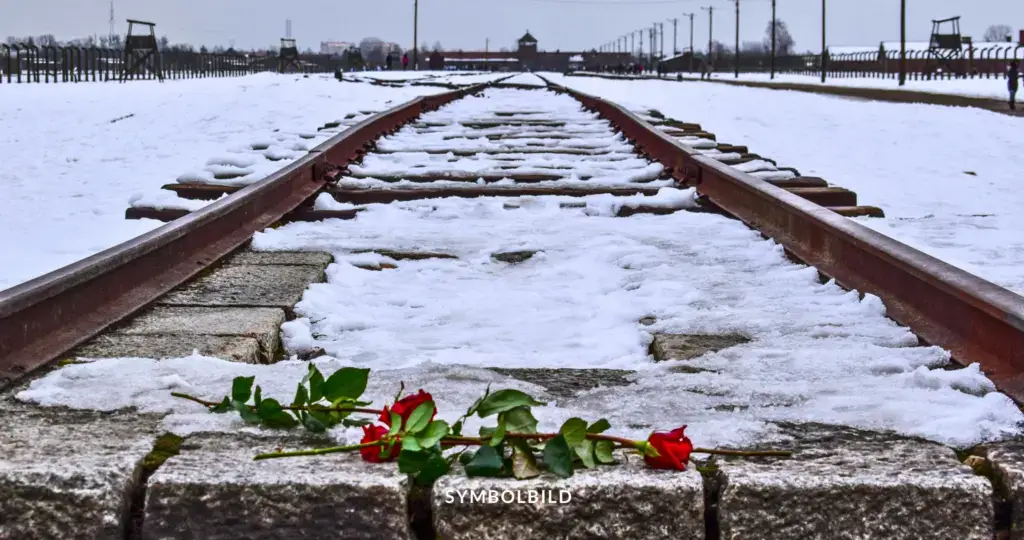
<point x="817" y="352"/>
<point x="994" y="88"/>
<point x="526" y="78"/>
<point x="948" y="178"/>
<point x="70" y="169"/>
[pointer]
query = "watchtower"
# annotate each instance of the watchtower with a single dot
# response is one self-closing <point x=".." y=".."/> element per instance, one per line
<point x="288" y="56"/>
<point x="946" y="44"/>
<point x="141" y="52"/>
<point x="527" y="51"/>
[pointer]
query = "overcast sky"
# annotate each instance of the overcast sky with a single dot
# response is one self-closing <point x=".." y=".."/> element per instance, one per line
<point x="467" y="24"/>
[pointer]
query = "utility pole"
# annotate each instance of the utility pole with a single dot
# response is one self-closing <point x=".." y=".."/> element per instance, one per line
<point x="110" y="34"/>
<point x="662" y="54"/>
<point x="690" y="15"/>
<point x="632" y="43"/>
<point x="736" y="57"/>
<point x="675" y="36"/>
<point x="824" y="50"/>
<point x="903" y="42"/>
<point x="415" y="34"/>
<point x="773" y="39"/>
<point x="711" y="28"/>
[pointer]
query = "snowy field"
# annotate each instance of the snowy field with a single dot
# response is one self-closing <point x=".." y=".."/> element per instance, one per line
<point x="985" y="88"/>
<point x="817" y="352"/>
<point x="948" y="178"/>
<point x="75" y="155"/>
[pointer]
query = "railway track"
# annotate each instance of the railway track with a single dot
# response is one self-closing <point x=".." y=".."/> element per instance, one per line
<point x="505" y="235"/>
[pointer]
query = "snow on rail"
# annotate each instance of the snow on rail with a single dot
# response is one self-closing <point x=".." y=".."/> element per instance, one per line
<point x="817" y="352"/>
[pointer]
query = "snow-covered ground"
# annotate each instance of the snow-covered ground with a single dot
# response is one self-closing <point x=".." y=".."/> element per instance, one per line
<point x="948" y="178"/>
<point x="74" y="154"/>
<point x="987" y="88"/>
<point x="817" y="352"/>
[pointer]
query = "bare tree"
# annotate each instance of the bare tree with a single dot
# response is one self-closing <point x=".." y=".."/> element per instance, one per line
<point x="437" y="46"/>
<point x="784" y="43"/>
<point x="372" y="50"/>
<point x="998" y="32"/>
<point x="163" y="43"/>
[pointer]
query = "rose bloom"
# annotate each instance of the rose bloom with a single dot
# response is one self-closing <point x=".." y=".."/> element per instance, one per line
<point x="405" y="406"/>
<point x="673" y="450"/>
<point x="374" y="433"/>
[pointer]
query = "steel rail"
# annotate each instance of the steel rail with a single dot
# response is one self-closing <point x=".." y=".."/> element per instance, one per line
<point x="48" y="316"/>
<point x="976" y="320"/>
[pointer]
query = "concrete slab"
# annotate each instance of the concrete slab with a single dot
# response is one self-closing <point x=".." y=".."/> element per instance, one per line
<point x="67" y="474"/>
<point x="234" y="348"/>
<point x="627" y="500"/>
<point x="300" y="258"/>
<point x="847" y="483"/>
<point x="568" y="382"/>
<point x="279" y="286"/>
<point x="1007" y="461"/>
<point x="261" y="324"/>
<point x="214" y="490"/>
<point x="687" y="346"/>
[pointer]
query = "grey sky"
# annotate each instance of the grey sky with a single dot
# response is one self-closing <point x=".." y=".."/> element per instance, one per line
<point x="466" y="24"/>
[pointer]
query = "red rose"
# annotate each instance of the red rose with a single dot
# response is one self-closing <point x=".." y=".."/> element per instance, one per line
<point x="374" y="433"/>
<point x="673" y="450"/>
<point x="405" y="406"/>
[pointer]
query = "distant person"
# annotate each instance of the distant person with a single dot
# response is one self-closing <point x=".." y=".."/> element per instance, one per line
<point x="405" y="61"/>
<point x="388" y="61"/>
<point x="1013" y="83"/>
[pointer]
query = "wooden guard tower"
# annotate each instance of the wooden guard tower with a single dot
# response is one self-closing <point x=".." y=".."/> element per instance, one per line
<point x="288" y="57"/>
<point x="141" y="52"/>
<point x="946" y="44"/>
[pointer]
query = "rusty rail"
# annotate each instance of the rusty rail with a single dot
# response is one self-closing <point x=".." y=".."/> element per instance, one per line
<point x="976" y="320"/>
<point x="45" y="317"/>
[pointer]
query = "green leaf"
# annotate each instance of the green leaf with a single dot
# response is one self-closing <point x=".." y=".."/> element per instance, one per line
<point x="487" y="431"/>
<point x="325" y="418"/>
<point x="524" y="463"/>
<point x="248" y="415"/>
<point x="273" y="416"/>
<point x="222" y="407"/>
<point x="486" y="462"/>
<point x="575" y="431"/>
<point x="410" y="443"/>
<point x="257" y="396"/>
<point x="433" y="434"/>
<point x="301" y="396"/>
<point x="558" y="456"/>
<point x="585" y="450"/>
<point x="603" y="452"/>
<point x="241" y="388"/>
<point x="503" y="400"/>
<point x="435" y="468"/>
<point x="316" y="384"/>
<point x="499" y="432"/>
<point x="346" y="382"/>
<point x="457" y="428"/>
<point x="314" y="422"/>
<point x="355" y="422"/>
<point x="466" y="456"/>
<point x="412" y="461"/>
<point x="396" y="424"/>
<point x="520" y="420"/>
<point x="599" y="427"/>
<point x="420" y="417"/>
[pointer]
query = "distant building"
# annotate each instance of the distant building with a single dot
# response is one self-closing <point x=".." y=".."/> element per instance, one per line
<point x="527" y="57"/>
<point x="335" y="47"/>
